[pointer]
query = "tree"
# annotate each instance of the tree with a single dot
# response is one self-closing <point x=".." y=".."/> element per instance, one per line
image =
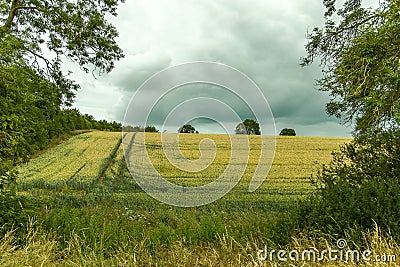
<point x="359" y="52"/>
<point x="187" y="128"/>
<point x="287" y="132"/>
<point x="130" y="128"/>
<point x="248" y="126"/>
<point x="151" y="129"/>
<point x="77" y="30"/>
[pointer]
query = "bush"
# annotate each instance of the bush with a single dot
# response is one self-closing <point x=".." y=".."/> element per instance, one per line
<point x="8" y="203"/>
<point x="360" y="187"/>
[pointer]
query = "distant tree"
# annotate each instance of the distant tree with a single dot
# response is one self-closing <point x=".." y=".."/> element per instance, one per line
<point x="248" y="126"/>
<point x="151" y="129"/>
<point x="116" y="126"/>
<point x="128" y="128"/>
<point x="240" y="129"/>
<point x="187" y="128"/>
<point x="288" y="132"/>
<point x="137" y="128"/>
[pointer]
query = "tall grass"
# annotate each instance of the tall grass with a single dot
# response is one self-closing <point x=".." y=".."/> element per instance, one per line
<point x="42" y="248"/>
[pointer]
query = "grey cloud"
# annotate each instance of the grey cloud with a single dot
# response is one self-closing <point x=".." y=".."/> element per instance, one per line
<point x="263" y="39"/>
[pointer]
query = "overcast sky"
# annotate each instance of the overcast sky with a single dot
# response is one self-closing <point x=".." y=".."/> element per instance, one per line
<point x="263" y="39"/>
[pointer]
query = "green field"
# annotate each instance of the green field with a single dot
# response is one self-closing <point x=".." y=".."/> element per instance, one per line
<point x="100" y="216"/>
<point x="95" y="159"/>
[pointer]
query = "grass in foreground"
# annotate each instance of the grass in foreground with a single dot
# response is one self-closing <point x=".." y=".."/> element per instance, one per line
<point x="42" y="248"/>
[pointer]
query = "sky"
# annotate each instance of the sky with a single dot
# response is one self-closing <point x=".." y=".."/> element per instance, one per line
<point x="262" y="39"/>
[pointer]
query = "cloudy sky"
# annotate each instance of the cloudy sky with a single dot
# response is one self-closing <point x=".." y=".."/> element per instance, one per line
<point x="264" y="39"/>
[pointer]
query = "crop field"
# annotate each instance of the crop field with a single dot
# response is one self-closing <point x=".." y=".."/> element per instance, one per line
<point x="94" y="159"/>
<point x="76" y="164"/>
<point x="96" y="208"/>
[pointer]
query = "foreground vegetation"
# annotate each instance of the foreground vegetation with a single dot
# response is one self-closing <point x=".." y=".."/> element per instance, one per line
<point x="43" y="248"/>
<point x="85" y="199"/>
<point x="85" y="209"/>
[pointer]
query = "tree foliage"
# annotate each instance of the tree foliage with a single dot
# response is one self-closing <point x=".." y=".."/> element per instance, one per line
<point x="359" y="52"/>
<point x="148" y="128"/>
<point x="77" y="30"/>
<point x="187" y="128"/>
<point x="248" y="126"/>
<point x="287" y="132"/>
<point x="151" y="129"/>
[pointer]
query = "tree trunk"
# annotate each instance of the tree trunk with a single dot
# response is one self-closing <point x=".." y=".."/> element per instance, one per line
<point x="11" y="14"/>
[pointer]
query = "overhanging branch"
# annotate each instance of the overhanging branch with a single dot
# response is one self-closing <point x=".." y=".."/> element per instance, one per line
<point x="11" y="15"/>
<point x="13" y="12"/>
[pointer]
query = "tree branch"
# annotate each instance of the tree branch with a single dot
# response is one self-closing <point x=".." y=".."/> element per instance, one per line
<point x="11" y="15"/>
<point x="353" y="26"/>
<point x="49" y="65"/>
<point x="29" y="7"/>
<point x="13" y="12"/>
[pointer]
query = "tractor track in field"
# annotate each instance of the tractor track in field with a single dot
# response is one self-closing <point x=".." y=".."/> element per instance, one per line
<point x="109" y="160"/>
<point x="112" y="158"/>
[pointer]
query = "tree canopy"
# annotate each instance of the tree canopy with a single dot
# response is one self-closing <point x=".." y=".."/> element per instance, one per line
<point x="138" y="128"/>
<point x="287" y="132"/>
<point x="187" y="128"/>
<point x="77" y="30"/>
<point x="248" y="126"/>
<point x="359" y="52"/>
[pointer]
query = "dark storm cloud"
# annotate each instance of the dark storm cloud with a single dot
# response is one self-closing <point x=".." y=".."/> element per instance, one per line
<point x="263" y="39"/>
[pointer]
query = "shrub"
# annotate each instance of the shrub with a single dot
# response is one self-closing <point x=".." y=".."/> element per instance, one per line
<point x="360" y="187"/>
